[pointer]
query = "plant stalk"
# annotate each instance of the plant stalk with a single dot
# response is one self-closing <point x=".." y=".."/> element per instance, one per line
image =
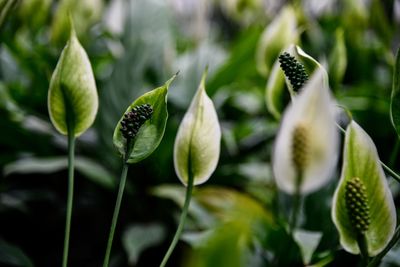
<point x="71" y="155"/>
<point x="116" y="212"/>
<point x="182" y="220"/>
<point x="296" y="203"/>
<point x="363" y="246"/>
<point x="395" y="152"/>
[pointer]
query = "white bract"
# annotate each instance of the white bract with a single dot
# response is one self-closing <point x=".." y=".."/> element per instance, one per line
<point x="281" y="32"/>
<point x="309" y="120"/>
<point x="310" y="64"/>
<point x="361" y="161"/>
<point x="72" y="97"/>
<point x="197" y="143"/>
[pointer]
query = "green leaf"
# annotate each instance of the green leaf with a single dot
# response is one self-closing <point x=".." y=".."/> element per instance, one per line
<point x="72" y="97"/>
<point x="227" y="245"/>
<point x="176" y="194"/>
<point x="242" y="224"/>
<point x="34" y="13"/>
<point x="6" y="8"/>
<point x="84" y="14"/>
<point x="361" y="160"/>
<point x="89" y="168"/>
<point x="152" y="131"/>
<point x="338" y="58"/>
<point x="197" y="143"/>
<point x="138" y="238"/>
<point x="395" y="98"/>
<point x="12" y="255"/>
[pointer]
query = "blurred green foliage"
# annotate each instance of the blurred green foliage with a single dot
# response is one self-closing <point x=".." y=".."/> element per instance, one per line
<point x="239" y="218"/>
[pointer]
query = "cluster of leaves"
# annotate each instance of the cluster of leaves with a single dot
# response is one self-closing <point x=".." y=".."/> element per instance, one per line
<point x="238" y="219"/>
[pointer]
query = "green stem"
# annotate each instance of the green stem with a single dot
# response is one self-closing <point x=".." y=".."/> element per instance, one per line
<point x="116" y="212"/>
<point x="377" y="259"/>
<point x="296" y="203"/>
<point x="389" y="170"/>
<point x="363" y="246"/>
<point x="71" y="152"/>
<point x="182" y="220"/>
<point x="394" y="153"/>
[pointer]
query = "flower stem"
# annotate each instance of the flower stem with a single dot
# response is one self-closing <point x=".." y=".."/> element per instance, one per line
<point x="116" y="212"/>
<point x="392" y="173"/>
<point x="395" y="152"/>
<point x="363" y="246"/>
<point x="296" y="203"/>
<point x="71" y="153"/>
<point x="182" y="220"/>
<point x="375" y="261"/>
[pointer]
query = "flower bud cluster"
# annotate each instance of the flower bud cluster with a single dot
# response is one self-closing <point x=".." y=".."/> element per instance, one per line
<point x="134" y="119"/>
<point x="293" y="70"/>
<point x="357" y="205"/>
<point x="300" y="148"/>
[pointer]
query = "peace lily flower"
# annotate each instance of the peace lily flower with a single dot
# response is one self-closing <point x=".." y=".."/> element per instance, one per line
<point x="196" y="150"/>
<point x="72" y="98"/>
<point x="305" y="152"/>
<point x="363" y="210"/>
<point x="197" y="143"/>
<point x="72" y="104"/>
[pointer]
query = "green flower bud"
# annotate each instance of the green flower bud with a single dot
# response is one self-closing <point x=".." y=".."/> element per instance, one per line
<point x="197" y="143"/>
<point x="72" y="97"/>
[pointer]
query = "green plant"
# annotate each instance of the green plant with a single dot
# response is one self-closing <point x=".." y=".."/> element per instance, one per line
<point x="196" y="150"/>
<point x="274" y="199"/>
<point x="72" y="104"/>
<point x="136" y="136"/>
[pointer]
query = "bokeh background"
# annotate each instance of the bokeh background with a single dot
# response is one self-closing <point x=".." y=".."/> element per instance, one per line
<point x="237" y="219"/>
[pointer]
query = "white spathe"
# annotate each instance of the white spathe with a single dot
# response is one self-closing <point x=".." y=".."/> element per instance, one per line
<point x="361" y="160"/>
<point x="314" y="109"/>
<point x="197" y="143"/>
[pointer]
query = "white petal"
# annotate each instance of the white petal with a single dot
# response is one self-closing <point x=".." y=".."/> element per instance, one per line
<point x="314" y="109"/>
